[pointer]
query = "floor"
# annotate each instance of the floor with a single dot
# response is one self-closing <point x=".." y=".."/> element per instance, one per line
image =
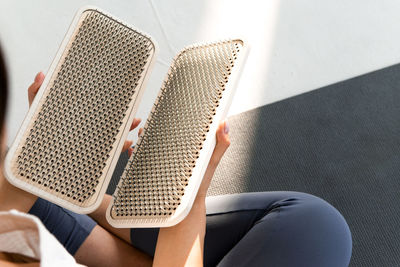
<point x="296" y="46"/>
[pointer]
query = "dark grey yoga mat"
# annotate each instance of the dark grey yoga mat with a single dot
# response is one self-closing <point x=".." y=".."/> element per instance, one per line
<point x="341" y="143"/>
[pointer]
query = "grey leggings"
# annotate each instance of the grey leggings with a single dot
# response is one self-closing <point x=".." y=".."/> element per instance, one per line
<point x="268" y="229"/>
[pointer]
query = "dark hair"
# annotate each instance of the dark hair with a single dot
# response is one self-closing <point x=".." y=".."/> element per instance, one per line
<point x="3" y="91"/>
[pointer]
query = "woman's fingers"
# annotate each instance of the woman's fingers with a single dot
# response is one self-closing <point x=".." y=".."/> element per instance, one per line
<point x="34" y="87"/>
<point x="128" y="144"/>
<point x="223" y="142"/>
<point x="130" y="149"/>
<point x="135" y="123"/>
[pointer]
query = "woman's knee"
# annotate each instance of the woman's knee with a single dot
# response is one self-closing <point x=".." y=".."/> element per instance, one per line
<point x="323" y="227"/>
<point x="294" y="229"/>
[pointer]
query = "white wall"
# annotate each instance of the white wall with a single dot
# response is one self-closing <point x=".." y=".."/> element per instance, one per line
<point x="296" y="46"/>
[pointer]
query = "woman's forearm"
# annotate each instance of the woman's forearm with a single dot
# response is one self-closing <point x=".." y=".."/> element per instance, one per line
<point x="12" y="197"/>
<point x="11" y="264"/>
<point x="182" y="244"/>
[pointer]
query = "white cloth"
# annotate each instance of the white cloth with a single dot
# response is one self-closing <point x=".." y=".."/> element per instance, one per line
<point x="25" y="234"/>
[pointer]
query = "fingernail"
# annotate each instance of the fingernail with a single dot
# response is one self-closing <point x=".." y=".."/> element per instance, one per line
<point x="226" y="127"/>
<point x="38" y="77"/>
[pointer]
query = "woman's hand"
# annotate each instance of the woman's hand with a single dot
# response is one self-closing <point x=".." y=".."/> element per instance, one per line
<point x="128" y="143"/>
<point x="34" y="89"/>
<point x="221" y="146"/>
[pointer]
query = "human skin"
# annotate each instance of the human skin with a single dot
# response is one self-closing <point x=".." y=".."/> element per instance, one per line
<point x="109" y="246"/>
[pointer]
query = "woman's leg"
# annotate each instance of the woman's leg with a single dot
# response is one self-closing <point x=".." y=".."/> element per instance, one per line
<point x="276" y="229"/>
<point x="251" y="229"/>
<point x="69" y="228"/>
<point x="268" y="229"/>
<point x="89" y="243"/>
